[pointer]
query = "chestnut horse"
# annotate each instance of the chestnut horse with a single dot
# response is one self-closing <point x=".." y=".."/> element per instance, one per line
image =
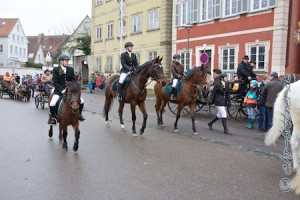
<point x="69" y="114"/>
<point x="188" y="96"/>
<point x="135" y="93"/>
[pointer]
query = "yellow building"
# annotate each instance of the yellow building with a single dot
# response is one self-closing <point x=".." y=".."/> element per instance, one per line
<point x="147" y="24"/>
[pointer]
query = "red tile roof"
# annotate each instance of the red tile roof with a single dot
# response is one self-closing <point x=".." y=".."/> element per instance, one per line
<point x="6" y="26"/>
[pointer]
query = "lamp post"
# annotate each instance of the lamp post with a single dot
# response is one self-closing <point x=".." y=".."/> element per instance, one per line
<point x="188" y="26"/>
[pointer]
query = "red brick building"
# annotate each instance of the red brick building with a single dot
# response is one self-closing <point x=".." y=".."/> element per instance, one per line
<point x="229" y="29"/>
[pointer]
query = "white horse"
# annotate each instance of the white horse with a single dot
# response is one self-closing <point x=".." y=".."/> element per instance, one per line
<point x="275" y="132"/>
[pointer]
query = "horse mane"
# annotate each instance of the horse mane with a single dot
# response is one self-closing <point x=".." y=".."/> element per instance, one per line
<point x="74" y="87"/>
<point x="191" y="72"/>
<point x="145" y="65"/>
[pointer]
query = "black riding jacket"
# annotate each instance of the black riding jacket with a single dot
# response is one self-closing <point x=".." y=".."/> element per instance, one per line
<point x="60" y="78"/>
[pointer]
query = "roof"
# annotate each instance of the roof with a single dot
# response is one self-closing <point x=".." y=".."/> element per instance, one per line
<point x="7" y="25"/>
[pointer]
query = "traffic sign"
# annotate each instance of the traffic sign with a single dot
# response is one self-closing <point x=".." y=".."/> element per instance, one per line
<point x="204" y="58"/>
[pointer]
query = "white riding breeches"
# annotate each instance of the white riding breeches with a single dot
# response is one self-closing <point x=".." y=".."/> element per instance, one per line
<point x="55" y="98"/>
<point x="123" y="77"/>
<point x="221" y="112"/>
<point x="175" y="81"/>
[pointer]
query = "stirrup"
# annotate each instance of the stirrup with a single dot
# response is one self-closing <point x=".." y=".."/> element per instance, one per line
<point x="53" y="121"/>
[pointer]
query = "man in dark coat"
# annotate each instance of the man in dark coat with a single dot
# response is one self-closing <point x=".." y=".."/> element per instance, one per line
<point x="129" y="64"/>
<point x="177" y="72"/>
<point x="245" y="72"/>
<point x="61" y="75"/>
<point x="270" y="92"/>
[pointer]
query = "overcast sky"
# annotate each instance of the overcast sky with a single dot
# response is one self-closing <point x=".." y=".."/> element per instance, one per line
<point x="50" y="17"/>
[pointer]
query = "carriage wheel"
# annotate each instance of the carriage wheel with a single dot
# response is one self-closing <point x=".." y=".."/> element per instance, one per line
<point x="238" y="109"/>
<point x="43" y="103"/>
<point x="36" y="101"/>
<point x="173" y="108"/>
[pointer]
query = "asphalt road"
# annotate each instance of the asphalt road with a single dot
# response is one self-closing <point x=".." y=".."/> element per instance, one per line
<point x="111" y="164"/>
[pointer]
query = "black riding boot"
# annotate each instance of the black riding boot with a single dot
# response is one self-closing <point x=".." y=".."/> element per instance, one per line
<point x="53" y="115"/>
<point x="212" y="122"/>
<point x="81" y="118"/>
<point x="119" y="91"/>
<point x="172" y="92"/>
<point x="224" y="122"/>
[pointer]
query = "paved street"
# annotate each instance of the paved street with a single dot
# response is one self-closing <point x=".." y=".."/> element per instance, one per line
<point x="111" y="164"/>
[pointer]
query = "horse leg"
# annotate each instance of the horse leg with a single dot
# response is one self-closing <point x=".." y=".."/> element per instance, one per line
<point x="192" y="112"/>
<point x="145" y="116"/>
<point x="157" y="108"/>
<point x="65" y="134"/>
<point x="179" y="108"/>
<point x="120" y="111"/>
<point x="77" y="136"/>
<point x="161" y="110"/>
<point x="60" y="136"/>
<point x="133" y="117"/>
<point x="50" y="133"/>
<point x="295" y="145"/>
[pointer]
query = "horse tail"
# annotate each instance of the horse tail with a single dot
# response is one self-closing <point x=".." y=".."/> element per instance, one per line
<point x="277" y="128"/>
<point x="295" y="184"/>
<point x="109" y="96"/>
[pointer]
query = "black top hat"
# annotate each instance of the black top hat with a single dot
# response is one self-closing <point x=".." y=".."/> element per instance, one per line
<point x="245" y="57"/>
<point x="253" y="62"/>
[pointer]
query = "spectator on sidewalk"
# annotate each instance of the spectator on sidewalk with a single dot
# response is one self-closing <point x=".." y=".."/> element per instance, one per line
<point x="251" y="101"/>
<point x="270" y="91"/>
<point x="92" y="81"/>
<point x="262" y="118"/>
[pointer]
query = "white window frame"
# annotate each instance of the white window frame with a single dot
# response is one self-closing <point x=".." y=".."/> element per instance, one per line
<point x="136" y="24"/>
<point x="109" y="27"/>
<point x="138" y="57"/>
<point x="109" y="64"/>
<point x="184" y="61"/>
<point x="98" y="64"/>
<point x="235" y="60"/>
<point x="268" y="4"/>
<point x="209" y="10"/>
<point x="153" y="19"/>
<point x="16" y="50"/>
<point x="11" y="49"/>
<point x="255" y="57"/>
<point x="98" y="2"/>
<point x="98" y="33"/>
<point x="152" y="55"/>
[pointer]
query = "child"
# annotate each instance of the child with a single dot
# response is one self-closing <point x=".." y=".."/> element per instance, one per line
<point x="251" y="101"/>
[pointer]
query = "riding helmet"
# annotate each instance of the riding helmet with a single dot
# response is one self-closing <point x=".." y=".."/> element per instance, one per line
<point x="222" y="75"/>
<point x="128" y="44"/>
<point x="176" y="56"/>
<point x="63" y="57"/>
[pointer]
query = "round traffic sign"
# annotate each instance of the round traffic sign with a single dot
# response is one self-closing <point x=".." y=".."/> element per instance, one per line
<point x="204" y="58"/>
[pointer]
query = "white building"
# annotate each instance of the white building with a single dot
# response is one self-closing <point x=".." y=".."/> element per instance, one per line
<point x="13" y="43"/>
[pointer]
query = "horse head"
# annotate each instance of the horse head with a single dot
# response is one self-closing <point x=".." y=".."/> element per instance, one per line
<point x="156" y="70"/>
<point x="73" y="94"/>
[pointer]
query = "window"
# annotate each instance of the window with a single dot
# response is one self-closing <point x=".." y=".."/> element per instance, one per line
<point x="152" y="55"/>
<point x="182" y="13"/>
<point x="98" y="2"/>
<point x="24" y="52"/>
<point x="98" y="33"/>
<point x="1" y="48"/>
<point x="123" y="28"/>
<point x="138" y="57"/>
<point x="22" y="39"/>
<point x="109" y="31"/>
<point x="210" y="9"/>
<point x="11" y="49"/>
<point x="259" y="54"/>
<point x="257" y="5"/>
<point x="20" y="51"/>
<point x="13" y="36"/>
<point x="16" y="50"/>
<point x="109" y="64"/>
<point x="153" y="20"/>
<point x="194" y="11"/>
<point x="136" y="24"/>
<point x="228" y="58"/>
<point x="185" y="60"/>
<point x="98" y="64"/>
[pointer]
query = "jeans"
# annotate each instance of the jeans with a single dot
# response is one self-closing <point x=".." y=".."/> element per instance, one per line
<point x="269" y="117"/>
<point x="262" y="118"/>
<point x="251" y="112"/>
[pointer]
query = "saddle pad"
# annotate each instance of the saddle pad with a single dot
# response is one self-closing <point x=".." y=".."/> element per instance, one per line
<point x="58" y="106"/>
<point x="116" y="82"/>
<point x="178" y="87"/>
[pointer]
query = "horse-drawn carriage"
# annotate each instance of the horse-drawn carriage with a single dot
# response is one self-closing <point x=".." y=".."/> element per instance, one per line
<point x="7" y="88"/>
<point x="44" y="91"/>
<point x="22" y="92"/>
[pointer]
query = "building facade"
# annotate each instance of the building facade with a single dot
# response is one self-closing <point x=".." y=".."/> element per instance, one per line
<point x="226" y="30"/>
<point x="147" y="24"/>
<point x="13" y="43"/>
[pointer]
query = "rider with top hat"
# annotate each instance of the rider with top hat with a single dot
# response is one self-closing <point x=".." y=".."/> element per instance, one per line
<point x="61" y="75"/>
<point x="129" y="64"/>
<point x="177" y="72"/>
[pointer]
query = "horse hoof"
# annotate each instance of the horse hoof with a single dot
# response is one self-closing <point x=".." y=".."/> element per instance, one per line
<point x="196" y="133"/>
<point x="122" y="126"/>
<point x="134" y="134"/>
<point x="141" y="131"/>
<point x="50" y="134"/>
<point x="176" y="130"/>
<point x="75" y="147"/>
<point x="65" y="146"/>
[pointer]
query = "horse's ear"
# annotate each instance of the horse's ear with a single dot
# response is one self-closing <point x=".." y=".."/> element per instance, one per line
<point x="160" y="59"/>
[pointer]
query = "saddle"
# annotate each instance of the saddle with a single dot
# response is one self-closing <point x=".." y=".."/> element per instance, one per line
<point x="126" y="83"/>
<point x="178" y="87"/>
<point x="58" y="107"/>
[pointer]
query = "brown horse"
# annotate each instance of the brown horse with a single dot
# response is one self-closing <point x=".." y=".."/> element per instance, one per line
<point x="135" y="93"/>
<point x="188" y="96"/>
<point x="69" y="115"/>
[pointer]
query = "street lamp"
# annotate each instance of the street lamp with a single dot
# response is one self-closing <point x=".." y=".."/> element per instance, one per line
<point x="188" y="26"/>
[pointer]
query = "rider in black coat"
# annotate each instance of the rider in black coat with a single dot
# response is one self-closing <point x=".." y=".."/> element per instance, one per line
<point x="61" y="75"/>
